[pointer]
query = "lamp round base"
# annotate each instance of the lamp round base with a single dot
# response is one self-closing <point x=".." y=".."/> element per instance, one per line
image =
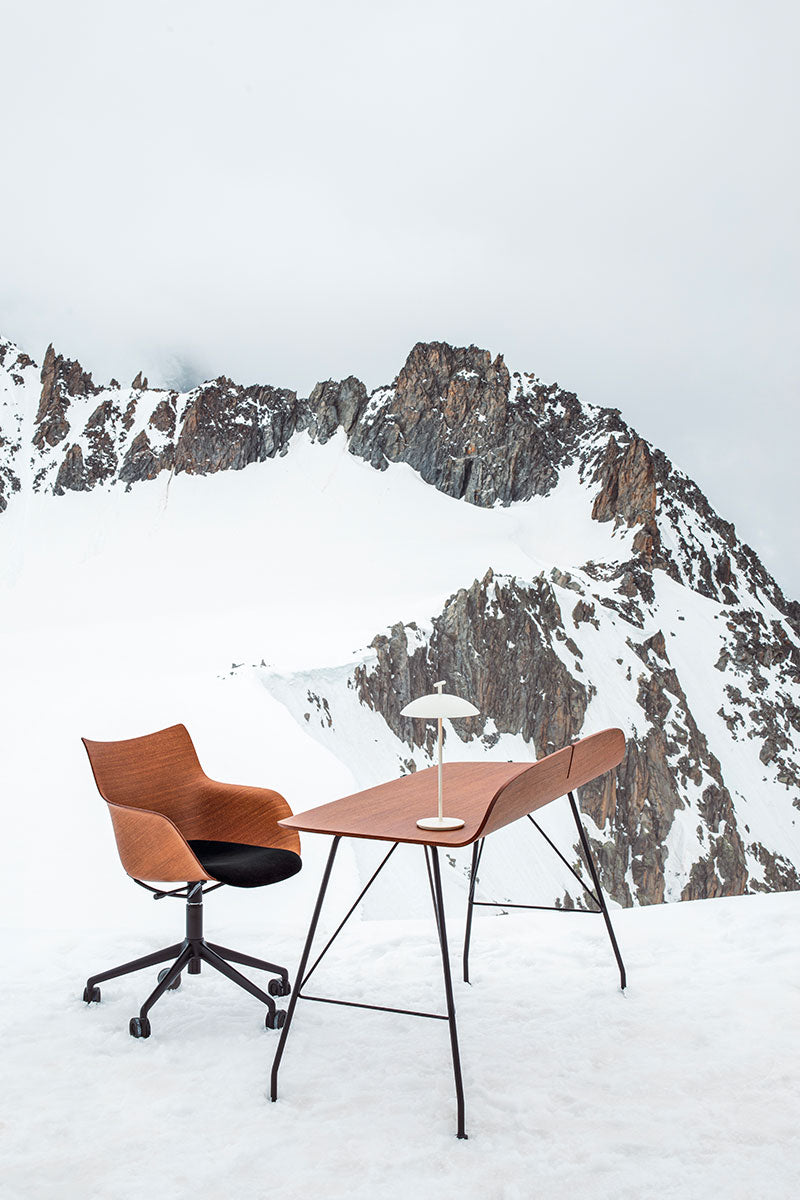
<point x="440" y="823"/>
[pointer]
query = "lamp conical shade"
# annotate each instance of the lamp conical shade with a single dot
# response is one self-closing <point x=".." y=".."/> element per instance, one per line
<point x="439" y="704"/>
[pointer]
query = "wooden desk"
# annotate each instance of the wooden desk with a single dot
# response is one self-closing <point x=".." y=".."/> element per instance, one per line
<point x="487" y="795"/>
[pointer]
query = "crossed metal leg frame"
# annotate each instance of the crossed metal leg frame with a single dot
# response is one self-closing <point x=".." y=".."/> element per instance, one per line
<point x="303" y="975"/>
<point x="596" y="895"/>
<point x="191" y="953"/>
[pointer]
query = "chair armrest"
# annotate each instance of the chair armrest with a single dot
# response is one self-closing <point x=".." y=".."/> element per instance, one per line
<point x="151" y="847"/>
<point x="232" y="813"/>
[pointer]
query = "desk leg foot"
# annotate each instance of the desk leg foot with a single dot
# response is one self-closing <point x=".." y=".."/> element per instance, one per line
<point x="448" y="988"/>
<point x="301" y="970"/>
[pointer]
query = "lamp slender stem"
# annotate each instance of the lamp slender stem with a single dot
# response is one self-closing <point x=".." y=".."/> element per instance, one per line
<point x="440" y="768"/>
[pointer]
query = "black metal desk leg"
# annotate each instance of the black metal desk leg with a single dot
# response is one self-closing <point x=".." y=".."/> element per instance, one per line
<point x="448" y="988"/>
<point x="477" y="850"/>
<point x="273" y="1095"/>
<point x="598" y="890"/>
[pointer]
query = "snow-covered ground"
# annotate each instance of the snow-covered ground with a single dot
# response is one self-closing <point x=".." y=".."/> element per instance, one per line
<point x="686" y="1087"/>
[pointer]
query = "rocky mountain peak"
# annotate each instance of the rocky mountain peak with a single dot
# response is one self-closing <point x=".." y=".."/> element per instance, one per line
<point x="454" y="380"/>
<point x="458" y="417"/>
<point x="455" y="414"/>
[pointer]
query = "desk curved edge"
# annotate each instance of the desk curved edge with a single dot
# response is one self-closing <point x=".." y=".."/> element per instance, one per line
<point x="554" y="776"/>
<point x="487" y="795"/>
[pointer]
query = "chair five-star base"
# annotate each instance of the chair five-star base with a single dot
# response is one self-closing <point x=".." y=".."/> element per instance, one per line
<point x="190" y="954"/>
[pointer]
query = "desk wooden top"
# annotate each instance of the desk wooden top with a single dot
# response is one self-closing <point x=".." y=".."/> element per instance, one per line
<point x="486" y="795"/>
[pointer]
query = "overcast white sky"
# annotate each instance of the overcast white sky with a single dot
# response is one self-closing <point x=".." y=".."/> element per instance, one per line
<point x="605" y="192"/>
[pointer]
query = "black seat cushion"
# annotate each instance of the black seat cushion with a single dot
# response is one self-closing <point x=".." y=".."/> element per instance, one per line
<point x="246" y="866"/>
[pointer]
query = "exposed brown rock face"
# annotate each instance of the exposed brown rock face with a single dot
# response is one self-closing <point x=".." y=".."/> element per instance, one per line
<point x="629" y="486"/>
<point x="532" y="694"/>
<point x="143" y="461"/>
<point x="469" y="428"/>
<point x="676" y="749"/>
<point x="226" y="428"/>
<point x="333" y="406"/>
<point x="780" y="875"/>
<point x="146" y="459"/>
<point x="163" y="417"/>
<point x="62" y="379"/>
<point x="72" y="473"/>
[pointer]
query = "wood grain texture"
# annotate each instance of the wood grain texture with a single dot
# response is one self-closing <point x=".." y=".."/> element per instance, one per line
<point x="554" y="776"/>
<point x="160" y="774"/>
<point x="152" y="848"/>
<point x="486" y="795"/>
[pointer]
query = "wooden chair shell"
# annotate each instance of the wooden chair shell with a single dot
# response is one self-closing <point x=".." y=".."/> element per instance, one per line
<point x="160" y="798"/>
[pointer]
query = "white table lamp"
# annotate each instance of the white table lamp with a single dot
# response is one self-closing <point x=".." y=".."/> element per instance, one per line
<point x="435" y="706"/>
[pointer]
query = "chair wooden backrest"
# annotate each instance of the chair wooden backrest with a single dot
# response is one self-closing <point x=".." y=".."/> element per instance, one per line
<point x="160" y="771"/>
<point x="159" y="798"/>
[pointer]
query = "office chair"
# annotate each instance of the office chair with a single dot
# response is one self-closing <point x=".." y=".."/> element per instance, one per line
<point x="172" y="824"/>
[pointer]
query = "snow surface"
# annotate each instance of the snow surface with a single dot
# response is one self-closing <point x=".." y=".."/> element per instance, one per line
<point x="686" y="1087"/>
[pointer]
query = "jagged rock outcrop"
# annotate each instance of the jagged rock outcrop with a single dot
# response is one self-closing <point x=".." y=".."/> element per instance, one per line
<point x="675" y="750"/>
<point x="470" y="428"/>
<point x="209" y="440"/>
<point x="629" y="485"/>
<point x="478" y="623"/>
<point x="150" y="453"/>
<point x="62" y="380"/>
<point x="333" y="406"/>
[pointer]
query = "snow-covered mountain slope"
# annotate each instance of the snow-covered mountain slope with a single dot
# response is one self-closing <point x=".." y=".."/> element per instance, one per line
<point x="694" y="810"/>
<point x="532" y="550"/>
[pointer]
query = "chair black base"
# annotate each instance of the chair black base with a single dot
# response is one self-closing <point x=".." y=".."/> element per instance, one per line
<point x="191" y="953"/>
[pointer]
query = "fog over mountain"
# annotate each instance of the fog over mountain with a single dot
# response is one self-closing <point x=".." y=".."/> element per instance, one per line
<point x="290" y="192"/>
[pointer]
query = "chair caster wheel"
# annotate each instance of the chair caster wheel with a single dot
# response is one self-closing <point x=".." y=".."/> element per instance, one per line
<point x="176" y="983"/>
<point x="92" y="995"/>
<point x="276" y="1020"/>
<point x="139" y="1027"/>
<point x="279" y="987"/>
